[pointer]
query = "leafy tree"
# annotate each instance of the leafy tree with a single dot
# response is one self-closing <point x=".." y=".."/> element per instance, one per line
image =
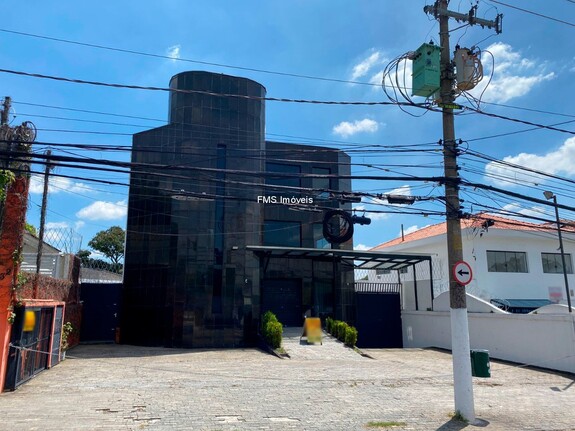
<point x="30" y="228"/>
<point x="84" y="255"/>
<point x="110" y="243"/>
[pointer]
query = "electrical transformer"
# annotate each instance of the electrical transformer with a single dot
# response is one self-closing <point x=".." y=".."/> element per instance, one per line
<point x="469" y="71"/>
<point x="426" y="70"/>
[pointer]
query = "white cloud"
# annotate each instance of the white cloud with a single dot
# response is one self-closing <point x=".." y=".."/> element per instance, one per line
<point x="401" y="77"/>
<point x="346" y="129"/>
<point x="403" y="191"/>
<point x="79" y="224"/>
<point x="410" y="229"/>
<point x="400" y="191"/>
<point x="373" y="216"/>
<point x="363" y="67"/>
<point x="57" y="185"/>
<point x="513" y="75"/>
<point x="530" y="212"/>
<point x="101" y="210"/>
<point x="173" y="52"/>
<point x="558" y="161"/>
<point x="376" y="78"/>
<point x="362" y="247"/>
<point x="57" y="225"/>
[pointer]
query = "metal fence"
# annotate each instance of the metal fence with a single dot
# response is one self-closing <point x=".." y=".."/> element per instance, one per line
<point x="99" y="271"/>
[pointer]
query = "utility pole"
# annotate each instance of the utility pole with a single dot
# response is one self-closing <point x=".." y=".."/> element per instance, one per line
<point x="460" y="346"/>
<point x="5" y="136"/>
<point x="550" y="195"/>
<point x="42" y="220"/>
<point x="6" y="110"/>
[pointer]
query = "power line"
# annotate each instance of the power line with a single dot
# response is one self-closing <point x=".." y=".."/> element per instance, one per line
<point x="307" y="140"/>
<point x="187" y="60"/>
<point x="539" y="111"/>
<point x="533" y="13"/>
<point x="517" y="120"/>
<point x="209" y="93"/>
<point x="276" y="99"/>
<point x="187" y="168"/>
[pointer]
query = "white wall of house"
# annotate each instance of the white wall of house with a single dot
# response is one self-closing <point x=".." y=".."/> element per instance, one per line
<point x="543" y="340"/>
<point x="535" y="284"/>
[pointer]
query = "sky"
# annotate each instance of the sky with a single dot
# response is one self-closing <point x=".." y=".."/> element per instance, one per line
<point x="314" y="50"/>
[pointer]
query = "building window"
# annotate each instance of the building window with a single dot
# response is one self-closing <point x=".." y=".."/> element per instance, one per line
<point x="552" y="263"/>
<point x="282" y="233"/>
<point x="506" y="261"/>
<point x="380" y="271"/>
<point x="318" y="239"/>
<point x="320" y="185"/>
<point x="283" y="181"/>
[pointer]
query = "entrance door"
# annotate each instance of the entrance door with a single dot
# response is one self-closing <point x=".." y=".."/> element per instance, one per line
<point x="283" y="298"/>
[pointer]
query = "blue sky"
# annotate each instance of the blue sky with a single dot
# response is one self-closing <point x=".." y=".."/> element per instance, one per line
<point x="534" y="70"/>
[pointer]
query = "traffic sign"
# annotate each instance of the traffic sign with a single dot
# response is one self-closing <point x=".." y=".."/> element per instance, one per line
<point x="462" y="272"/>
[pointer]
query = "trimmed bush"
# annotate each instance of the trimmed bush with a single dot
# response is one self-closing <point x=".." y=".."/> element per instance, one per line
<point x="350" y="336"/>
<point x="337" y="328"/>
<point x="273" y="335"/>
<point x="271" y="329"/>
<point x="328" y="324"/>
<point x="268" y="317"/>
<point x="341" y="331"/>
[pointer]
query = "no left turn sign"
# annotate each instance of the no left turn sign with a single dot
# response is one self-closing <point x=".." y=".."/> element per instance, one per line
<point x="462" y="272"/>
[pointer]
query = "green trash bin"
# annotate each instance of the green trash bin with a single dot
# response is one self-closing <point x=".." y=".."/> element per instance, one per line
<point x="480" y="366"/>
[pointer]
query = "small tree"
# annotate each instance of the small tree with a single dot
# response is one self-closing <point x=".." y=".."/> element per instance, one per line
<point x="110" y="243"/>
<point x="84" y="256"/>
<point x="31" y="229"/>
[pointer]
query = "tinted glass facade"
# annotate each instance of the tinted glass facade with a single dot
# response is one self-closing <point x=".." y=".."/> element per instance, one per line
<point x="195" y="203"/>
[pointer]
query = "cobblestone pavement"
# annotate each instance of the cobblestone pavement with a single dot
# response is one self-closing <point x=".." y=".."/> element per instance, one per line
<point x="322" y="387"/>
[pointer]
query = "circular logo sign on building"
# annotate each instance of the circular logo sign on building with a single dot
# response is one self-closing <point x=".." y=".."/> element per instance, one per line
<point x="462" y="272"/>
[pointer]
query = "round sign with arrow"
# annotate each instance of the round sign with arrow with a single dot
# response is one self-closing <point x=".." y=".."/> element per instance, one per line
<point x="462" y="272"/>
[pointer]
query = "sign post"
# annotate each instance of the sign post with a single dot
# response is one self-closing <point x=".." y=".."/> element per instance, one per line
<point x="462" y="272"/>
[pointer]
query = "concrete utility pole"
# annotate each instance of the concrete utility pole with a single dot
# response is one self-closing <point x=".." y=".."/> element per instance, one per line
<point x="460" y="347"/>
<point x="42" y="220"/>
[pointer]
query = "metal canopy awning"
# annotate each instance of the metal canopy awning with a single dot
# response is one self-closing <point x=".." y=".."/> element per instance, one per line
<point x="356" y="258"/>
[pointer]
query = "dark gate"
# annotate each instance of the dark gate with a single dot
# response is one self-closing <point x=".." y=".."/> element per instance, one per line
<point x="283" y="298"/>
<point x="378" y="316"/>
<point x="100" y="312"/>
<point x="30" y="344"/>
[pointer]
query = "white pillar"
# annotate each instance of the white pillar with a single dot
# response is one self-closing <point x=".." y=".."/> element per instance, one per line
<point x="460" y="349"/>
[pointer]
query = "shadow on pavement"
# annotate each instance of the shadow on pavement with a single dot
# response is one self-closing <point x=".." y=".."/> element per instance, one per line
<point x="456" y="425"/>
<point x="95" y="351"/>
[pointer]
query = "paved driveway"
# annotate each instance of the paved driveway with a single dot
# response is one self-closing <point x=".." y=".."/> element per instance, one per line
<point x="322" y="387"/>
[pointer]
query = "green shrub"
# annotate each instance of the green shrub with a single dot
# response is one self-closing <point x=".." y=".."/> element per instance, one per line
<point x="328" y="324"/>
<point x="268" y="317"/>
<point x="350" y="336"/>
<point x="342" y="331"/>
<point x="336" y="328"/>
<point x="273" y="334"/>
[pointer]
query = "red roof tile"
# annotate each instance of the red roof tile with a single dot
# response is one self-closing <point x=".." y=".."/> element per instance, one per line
<point x="475" y="221"/>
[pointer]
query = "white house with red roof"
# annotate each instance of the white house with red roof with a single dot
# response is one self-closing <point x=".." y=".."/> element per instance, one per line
<point x="510" y="260"/>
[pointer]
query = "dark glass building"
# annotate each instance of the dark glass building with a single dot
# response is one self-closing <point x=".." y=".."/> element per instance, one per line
<point x="201" y="190"/>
